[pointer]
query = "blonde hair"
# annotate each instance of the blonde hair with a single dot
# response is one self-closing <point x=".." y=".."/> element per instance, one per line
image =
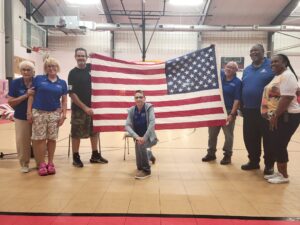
<point x="51" y="61"/>
<point x="26" y="63"/>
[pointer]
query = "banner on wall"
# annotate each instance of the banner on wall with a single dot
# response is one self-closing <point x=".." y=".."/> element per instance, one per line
<point x="185" y="91"/>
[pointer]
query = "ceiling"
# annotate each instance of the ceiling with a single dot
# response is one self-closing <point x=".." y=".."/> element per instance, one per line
<point x="210" y="12"/>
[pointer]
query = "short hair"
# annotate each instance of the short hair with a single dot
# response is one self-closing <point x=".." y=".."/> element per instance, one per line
<point x="80" y="49"/>
<point x="140" y="91"/>
<point x="27" y="63"/>
<point x="234" y="64"/>
<point x="51" y="61"/>
<point x="259" y="46"/>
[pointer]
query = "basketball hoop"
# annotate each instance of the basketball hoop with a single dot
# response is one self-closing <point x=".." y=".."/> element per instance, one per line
<point x="45" y="52"/>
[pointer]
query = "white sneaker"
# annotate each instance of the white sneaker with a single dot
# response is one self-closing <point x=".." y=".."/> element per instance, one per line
<point x="267" y="177"/>
<point x="278" y="180"/>
<point x="24" y="169"/>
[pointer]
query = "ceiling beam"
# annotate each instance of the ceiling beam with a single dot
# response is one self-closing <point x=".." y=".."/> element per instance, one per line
<point x="107" y="11"/>
<point x="285" y="13"/>
<point x="204" y="12"/>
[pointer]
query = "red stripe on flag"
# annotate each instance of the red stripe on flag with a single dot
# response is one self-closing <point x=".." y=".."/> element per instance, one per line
<point x="109" y="80"/>
<point x="128" y="70"/>
<point x="126" y="93"/>
<point x="187" y="113"/>
<point x="189" y="101"/>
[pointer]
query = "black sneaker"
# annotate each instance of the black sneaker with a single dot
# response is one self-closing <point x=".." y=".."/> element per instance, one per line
<point x="208" y="158"/>
<point x="97" y="158"/>
<point x="250" y="166"/>
<point x="226" y="160"/>
<point x="76" y="161"/>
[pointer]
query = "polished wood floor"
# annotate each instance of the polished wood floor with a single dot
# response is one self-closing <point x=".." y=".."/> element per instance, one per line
<point x="181" y="184"/>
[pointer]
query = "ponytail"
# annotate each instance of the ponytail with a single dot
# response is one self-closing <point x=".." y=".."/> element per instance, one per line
<point x="288" y="64"/>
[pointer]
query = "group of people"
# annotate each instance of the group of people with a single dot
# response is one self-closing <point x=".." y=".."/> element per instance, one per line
<point x="40" y="104"/>
<point x="266" y="96"/>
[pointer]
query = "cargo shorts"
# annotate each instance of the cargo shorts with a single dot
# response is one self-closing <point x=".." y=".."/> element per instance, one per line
<point x="81" y="125"/>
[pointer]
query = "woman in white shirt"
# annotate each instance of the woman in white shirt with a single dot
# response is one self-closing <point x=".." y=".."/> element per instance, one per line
<point x="282" y="112"/>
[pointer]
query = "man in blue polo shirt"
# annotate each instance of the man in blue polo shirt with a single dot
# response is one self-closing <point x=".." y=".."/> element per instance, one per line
<point x="255" y="77"/>
<point x="232" y="94"/>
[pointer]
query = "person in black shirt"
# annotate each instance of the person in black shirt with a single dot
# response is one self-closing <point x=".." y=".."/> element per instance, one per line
<point x="79" y="82"/>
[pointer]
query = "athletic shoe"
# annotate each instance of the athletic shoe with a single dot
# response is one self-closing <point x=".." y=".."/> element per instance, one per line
<point x="97" y="158"/>
<point x="24" y="169"/>
<point x="142" y="175"/>
<point x="76" y="160"/>
<point x="279" y="180"/>
<point x="271" y="176"/>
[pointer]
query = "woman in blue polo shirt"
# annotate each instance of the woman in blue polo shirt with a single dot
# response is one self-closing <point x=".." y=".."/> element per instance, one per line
<point x="19" y="91"/>
<point x="47" y="111"/>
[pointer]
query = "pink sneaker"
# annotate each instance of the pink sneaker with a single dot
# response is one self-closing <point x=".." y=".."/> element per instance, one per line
<point x="51" y="169"/>
<point x="43" y="169"/>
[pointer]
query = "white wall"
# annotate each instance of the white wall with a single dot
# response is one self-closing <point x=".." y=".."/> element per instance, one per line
<point x="234" y="44"/>
<point x="289" y="45"/>
<point x="2" y="41"/>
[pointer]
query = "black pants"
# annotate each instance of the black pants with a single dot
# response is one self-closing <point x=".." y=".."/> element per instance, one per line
<point x="254" y="131"/>
<point x="279" y="138"/>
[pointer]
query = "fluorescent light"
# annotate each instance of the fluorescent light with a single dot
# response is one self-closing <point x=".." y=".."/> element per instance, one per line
<point x="186" y="2"/>
<point x="83" y="2"/>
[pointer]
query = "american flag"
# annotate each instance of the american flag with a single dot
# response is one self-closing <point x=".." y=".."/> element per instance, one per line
<point x="185" y="91"/>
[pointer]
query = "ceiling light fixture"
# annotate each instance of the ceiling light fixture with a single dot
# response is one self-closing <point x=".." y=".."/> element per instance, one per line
<point x="186" y="2"/>
<point x="82" y="2"/>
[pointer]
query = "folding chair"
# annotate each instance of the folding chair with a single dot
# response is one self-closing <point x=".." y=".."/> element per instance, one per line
<point x="126" y="138"/>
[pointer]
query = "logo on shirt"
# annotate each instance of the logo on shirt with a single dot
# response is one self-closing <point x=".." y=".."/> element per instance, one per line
<point x="70" y="87"/>
<point x="263" y="70"/>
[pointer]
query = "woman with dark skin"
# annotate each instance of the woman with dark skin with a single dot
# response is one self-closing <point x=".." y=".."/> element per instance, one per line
<point x="282" y="111"/>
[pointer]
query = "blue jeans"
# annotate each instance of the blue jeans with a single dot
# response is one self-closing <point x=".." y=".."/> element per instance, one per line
<point x="142" y="160"/>
<point x="213" y="133"/>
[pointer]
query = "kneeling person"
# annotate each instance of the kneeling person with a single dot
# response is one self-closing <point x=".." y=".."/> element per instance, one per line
<point x="140" y="125"/>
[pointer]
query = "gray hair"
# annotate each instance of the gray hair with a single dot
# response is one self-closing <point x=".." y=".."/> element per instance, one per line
<point x="27" y="63"/>
<point x="234" y="64"/>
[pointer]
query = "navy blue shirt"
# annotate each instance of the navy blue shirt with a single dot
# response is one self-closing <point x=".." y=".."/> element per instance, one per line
<point x="48" y="93"/>
<point x="231" y="90"/>
<point x="17" y="88"/>
<point x="140" y="121"/>
<point x="253" y="82"/>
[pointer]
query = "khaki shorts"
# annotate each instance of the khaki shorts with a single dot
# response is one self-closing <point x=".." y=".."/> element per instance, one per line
<point x="81" y="125"/>
<point x="45" y="124"/>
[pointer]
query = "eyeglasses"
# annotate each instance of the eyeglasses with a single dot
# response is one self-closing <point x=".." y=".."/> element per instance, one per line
<point x="139" y="97"/>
